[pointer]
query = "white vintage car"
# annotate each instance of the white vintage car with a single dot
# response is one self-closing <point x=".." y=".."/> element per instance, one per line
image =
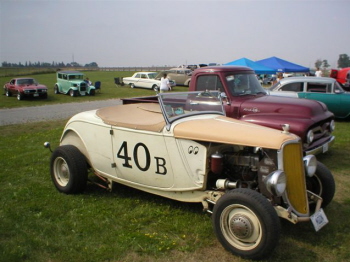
<point x="150" y="80"/>
<point x="184" y="148"/>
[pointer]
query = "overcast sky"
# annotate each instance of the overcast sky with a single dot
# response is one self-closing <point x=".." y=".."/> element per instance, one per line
<point x="165" y="32"/>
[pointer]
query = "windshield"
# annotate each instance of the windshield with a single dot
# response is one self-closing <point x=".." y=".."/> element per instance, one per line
<point x="29" y="81"/>
<point x="75" y="77"/>
<point x="243" y="84"/>
<point x="338" y="88"/>
<point x="180" y="105"/>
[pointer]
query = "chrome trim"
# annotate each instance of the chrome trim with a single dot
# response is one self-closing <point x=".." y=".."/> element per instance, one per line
<point x="319" y="150"/>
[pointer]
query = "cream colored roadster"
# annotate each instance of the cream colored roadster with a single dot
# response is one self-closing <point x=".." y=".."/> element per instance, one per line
<point x="184" y="148"/>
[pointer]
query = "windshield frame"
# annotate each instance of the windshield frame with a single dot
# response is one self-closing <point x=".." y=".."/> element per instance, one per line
<point x="178" y="105"/>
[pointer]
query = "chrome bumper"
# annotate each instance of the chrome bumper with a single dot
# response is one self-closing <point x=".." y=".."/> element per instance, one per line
<point x="321" y="149"/>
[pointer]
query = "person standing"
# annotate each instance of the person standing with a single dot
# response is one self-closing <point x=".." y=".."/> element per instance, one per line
<point x="318" y="72"/>
<point x="164" y="83"/>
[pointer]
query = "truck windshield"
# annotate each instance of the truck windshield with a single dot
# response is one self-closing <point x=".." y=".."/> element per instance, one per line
<point x="243" y="84"/>
<point x="184" y="104"/>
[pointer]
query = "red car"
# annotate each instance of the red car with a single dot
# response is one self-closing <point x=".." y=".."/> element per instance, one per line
<point x="342" y="76"/>
<point x="25" y="87"/>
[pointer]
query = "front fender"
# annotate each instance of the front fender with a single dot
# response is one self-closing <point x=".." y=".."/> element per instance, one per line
<point x="70" y="137"/>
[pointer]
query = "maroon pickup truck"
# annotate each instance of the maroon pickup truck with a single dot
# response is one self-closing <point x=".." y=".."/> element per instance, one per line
<point x="245" y="99"/>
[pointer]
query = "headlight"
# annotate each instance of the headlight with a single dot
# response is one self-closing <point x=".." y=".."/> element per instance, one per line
<point x="276" y="182"/>
<point x="310" y="163"/>
<point x="332" y="126"/>
<point x="310" y="137"/>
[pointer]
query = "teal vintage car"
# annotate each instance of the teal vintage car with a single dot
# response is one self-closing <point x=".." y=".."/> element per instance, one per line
<point x="73" y="83"/>
<point x="324" y="89"/>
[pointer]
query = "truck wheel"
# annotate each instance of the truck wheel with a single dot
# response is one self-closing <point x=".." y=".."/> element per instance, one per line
<point x="322" y="184"/>
<point x="246" y="224"/>
<point x="72" y="93"/>
<point x="68" y="169"/>
<point x="56" y="90"/>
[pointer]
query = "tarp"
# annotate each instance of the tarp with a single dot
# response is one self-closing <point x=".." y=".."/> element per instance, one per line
<point x="258" y="68"/>
<point x="281" y="65"/>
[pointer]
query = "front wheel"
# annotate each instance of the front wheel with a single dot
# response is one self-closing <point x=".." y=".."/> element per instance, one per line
<point x="72" y="93"/>
<point x="68" y="169"/>
<point x="246" y="224"/>
<point x="322" y="184"/>
<point x="92" y="92"/>
<point x="8" y="93"/>
<point x="19" y="97"/>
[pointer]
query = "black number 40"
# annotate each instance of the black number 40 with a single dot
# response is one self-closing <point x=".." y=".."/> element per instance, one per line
<point x="123" y="154"/>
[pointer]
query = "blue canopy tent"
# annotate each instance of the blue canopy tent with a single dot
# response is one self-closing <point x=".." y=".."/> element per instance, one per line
<point x="280" y="65"/>
<point x="258" y="68"/>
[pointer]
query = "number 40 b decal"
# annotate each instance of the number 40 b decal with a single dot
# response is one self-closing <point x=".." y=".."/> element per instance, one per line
<point x="124" y="154"/>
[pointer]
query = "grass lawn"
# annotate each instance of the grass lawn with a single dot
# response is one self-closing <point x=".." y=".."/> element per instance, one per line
<point x="108" y="90"/>
<point x="40" y="224"/>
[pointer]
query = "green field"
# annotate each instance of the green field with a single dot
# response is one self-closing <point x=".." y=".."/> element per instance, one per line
<point x="39" y="224"/>
<point x="108" y="89"/>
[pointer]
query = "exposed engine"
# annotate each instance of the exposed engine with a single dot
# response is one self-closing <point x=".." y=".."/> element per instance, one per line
<point x="244" y="167"/>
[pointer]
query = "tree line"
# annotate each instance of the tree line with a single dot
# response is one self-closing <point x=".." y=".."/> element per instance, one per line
<point x="46" y="65"/>
<point x="343" y="61"/>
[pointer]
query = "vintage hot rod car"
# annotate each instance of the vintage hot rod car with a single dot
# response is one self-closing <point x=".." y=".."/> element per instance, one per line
<point x="73" y="83"/>
<point x="184" y="148"/>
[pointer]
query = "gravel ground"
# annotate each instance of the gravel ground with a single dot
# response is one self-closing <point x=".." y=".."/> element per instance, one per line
<point x="50" y="112"/>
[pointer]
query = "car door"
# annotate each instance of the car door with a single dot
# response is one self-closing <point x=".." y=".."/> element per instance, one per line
<point x="12" y="86"/>
<point x="142" y="158"/>
<point x="324" y="92"/>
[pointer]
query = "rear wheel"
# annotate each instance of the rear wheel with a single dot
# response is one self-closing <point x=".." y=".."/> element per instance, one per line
<point x="132" y="85"/>
<point x="68" y="169"/>
<point x="246" y="224"/>
<point x="56" y="90"/>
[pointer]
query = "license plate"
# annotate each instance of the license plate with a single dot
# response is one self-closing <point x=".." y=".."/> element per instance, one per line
<point x="325" y="148"/>
<point x="36" y="95"/>
<point x="319" y="219"/>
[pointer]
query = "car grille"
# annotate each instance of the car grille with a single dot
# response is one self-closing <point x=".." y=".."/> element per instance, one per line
<point x="33" y="91"/>
<point x="83" y="86"/>
<point x="296" y="185"/>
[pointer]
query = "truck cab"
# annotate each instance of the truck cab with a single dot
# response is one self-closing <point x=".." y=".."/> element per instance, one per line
<point x="245" y="99"/>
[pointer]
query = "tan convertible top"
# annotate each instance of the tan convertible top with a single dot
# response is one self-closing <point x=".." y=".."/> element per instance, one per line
<point x="140" y="116"/>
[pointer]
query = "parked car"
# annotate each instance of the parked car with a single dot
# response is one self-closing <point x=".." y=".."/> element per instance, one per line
<point x="196" y="66"/>
<point x="73" y="83"/>
<point x="342" y="76"/>
<point x="324" y="89"/>
<point x="185" y="148"/>
<point x="25" y="87"/>
<point x="182" y="76"/>
<point x="150" y="80"/>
